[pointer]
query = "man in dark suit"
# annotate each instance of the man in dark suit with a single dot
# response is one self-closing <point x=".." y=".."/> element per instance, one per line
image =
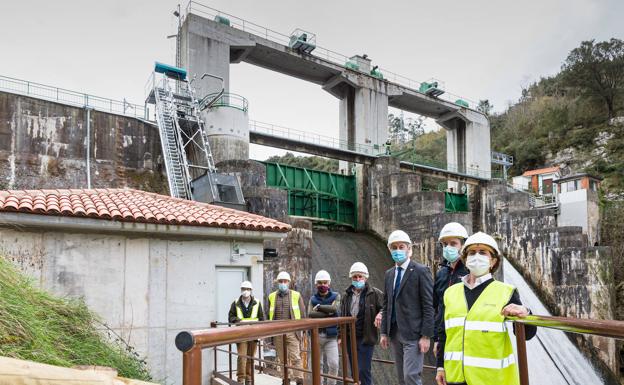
<point x="406" y="318"/>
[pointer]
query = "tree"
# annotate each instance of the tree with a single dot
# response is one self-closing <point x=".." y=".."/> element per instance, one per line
<point x="597" y="69"/>
<point x="485" y="107"/>
<point x="404" y="130"/>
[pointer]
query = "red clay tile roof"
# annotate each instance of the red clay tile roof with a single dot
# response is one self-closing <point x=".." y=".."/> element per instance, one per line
<point x="547" y="170"/>
<point x="129" y="205"/>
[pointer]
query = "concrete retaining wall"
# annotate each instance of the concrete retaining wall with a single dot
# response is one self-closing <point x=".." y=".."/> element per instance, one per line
<point x="43" y="145"/>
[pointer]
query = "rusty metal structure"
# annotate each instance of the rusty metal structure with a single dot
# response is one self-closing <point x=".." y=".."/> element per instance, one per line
<point x="192" y="343"/>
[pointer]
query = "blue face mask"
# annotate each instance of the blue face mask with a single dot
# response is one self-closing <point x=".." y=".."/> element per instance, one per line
<point x="358" y="284"/>
<point x="450" y="253"/>
<point x="399" y="256"/>
<point x="283" y="287"/>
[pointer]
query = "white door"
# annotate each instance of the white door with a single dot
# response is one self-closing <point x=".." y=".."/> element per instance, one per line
<point x="228" y="289"/>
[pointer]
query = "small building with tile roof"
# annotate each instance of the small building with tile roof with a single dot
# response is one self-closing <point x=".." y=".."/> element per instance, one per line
<point x="150" y="265"/>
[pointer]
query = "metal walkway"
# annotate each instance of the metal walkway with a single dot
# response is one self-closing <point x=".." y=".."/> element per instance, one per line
<point x="296" y="140"/>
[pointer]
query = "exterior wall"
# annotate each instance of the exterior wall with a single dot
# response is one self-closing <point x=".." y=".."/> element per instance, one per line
<point x="146" y="289"/>
<point x="228" y="133"/>
<point x="395" y="201"/>
<point x="43" y="145"/>
<point x="573" y="209"/>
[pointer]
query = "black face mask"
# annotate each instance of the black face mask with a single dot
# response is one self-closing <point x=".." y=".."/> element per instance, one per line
<point x="323" y="289"/>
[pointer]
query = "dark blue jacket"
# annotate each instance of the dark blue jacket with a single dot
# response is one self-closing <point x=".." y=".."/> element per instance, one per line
<point x="329" y="300"/>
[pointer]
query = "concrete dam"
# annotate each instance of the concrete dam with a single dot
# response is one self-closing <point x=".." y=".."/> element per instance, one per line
<point x="50" y="141"/>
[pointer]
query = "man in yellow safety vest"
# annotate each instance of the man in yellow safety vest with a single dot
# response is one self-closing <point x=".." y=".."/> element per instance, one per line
<point x="245" y="309"/>
<point x="286" y="304"/>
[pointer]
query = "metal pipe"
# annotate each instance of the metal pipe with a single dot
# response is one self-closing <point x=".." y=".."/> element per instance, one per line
<point x="523" y="367"/>
<point x="355" y="371"/>
<point x="343" y="348"/>
<point x="605" y="328"/>
<point x="284" y="359"/>
<point x="88" y="147"/>
<point x="192" y="367"/>
<point x="222" y="336"/>
<point x="230" y="360"/>
<point x="316" y="357"/>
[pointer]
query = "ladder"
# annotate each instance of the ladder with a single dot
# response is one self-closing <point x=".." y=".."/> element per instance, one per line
<point x="183" y="137"/>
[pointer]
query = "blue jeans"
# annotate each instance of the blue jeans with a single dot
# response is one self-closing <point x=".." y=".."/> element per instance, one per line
<point x="365" y="358"/>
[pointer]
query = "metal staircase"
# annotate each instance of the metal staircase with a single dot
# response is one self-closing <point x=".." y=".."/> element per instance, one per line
<point x="191" y="171"/>
<point x="177" y="175"/>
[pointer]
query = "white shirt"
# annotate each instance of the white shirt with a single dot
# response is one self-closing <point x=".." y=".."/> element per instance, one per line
<point x="403" y="267"/>
<point x="478" y="280"/>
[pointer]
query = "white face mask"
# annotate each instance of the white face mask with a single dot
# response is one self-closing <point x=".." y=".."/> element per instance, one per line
<point x="478" y="264"/>
<point x="246" y="293"/>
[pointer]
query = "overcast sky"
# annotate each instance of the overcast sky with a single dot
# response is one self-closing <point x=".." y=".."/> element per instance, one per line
<point x="480" y="49"/>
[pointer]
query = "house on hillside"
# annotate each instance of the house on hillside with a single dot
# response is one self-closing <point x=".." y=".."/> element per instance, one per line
<point x="149" y="265"/>
<point x="579" y="204"/>
<point x="539" y="182"/>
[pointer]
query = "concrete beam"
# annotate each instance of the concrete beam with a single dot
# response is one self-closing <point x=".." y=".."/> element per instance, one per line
<point x="355" y="157"/>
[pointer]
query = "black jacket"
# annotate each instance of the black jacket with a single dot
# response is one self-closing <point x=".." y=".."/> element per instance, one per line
<point x="232" y="316"/>
<point x="373" y="302"/>
<point x="445" y="278"/>
<point x="414" y="303"/>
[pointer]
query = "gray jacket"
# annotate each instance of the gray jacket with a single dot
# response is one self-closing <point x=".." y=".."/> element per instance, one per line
<point x="414" y="303"/>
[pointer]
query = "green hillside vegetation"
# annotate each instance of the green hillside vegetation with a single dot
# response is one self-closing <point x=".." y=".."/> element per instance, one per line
<point x="37" y="326"/>
<point x="571" y="118"/>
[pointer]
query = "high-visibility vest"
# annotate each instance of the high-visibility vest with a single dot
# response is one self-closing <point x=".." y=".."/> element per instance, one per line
<point x="254" y="312"/>
<point x="294" y="304"/>
<point x="478" y="349"/>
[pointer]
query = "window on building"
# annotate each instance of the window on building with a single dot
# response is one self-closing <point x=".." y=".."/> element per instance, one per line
<point x="571" y="185"/>
<point x="593" y="185"/>
<point x="547" y="186"/>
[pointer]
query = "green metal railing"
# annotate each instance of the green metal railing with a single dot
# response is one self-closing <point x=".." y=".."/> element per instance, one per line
<point x="228" y="99"/>
<point x="324" y="197"/>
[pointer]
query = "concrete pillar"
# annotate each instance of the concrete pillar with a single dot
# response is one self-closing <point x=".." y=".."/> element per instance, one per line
<point x="363" y="118"/>
<point x="468" y="147"/>
<point x="207" y="46"/>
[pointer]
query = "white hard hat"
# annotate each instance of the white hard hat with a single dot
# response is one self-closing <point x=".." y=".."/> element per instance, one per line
<point x="358" y="267"/>
<point x="322" y="275"/>
<point x="399" y="236"/>
<point x="283" y="275"/>
<point x="246" y="285"/>
<point x="482" y="238"/>
<point x="453" y="230"/>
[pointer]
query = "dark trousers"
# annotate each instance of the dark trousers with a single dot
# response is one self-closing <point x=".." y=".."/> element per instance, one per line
<point x="365" y="359"/>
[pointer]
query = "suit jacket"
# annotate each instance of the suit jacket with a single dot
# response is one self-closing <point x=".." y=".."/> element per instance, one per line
<point x="414" y="303"/>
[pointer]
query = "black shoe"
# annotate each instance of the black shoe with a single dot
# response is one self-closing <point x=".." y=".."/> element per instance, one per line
<point x="299" y="381"/>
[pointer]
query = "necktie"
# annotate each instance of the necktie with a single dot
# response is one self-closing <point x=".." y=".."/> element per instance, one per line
<point x="397" y="284"/>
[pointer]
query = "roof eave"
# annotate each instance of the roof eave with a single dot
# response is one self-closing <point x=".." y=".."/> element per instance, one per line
<point x="89" y="225"/>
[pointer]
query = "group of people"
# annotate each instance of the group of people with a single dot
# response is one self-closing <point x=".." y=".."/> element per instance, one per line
<point x="462" y="314"/>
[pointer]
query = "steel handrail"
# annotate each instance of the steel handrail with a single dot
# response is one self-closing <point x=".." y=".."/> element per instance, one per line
<point x="191" y="344"/>
<point x="604" y="328"/>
